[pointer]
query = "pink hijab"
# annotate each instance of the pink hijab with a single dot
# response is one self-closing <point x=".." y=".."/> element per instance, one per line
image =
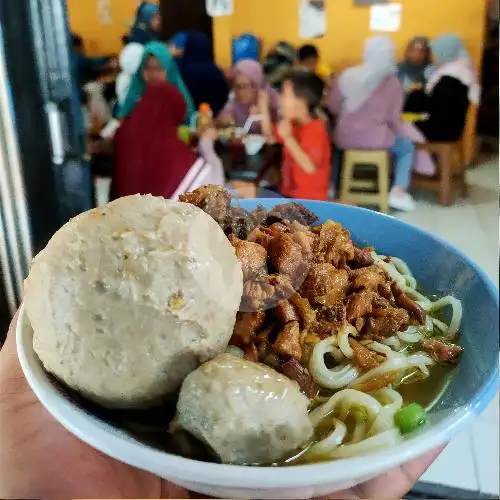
<point x="255" y="73"/>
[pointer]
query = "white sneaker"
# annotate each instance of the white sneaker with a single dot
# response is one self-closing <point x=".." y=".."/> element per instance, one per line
<point x="401" y="200"/>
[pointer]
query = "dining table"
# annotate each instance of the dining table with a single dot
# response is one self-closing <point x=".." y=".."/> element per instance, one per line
<point x="414" y="117"/>
<point x="240" y="166"/>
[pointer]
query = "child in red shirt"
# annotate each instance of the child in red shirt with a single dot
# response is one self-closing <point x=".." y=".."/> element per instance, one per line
<point x="307" y="151"/>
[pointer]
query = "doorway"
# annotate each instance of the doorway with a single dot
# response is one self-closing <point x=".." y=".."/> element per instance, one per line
<point x="181" y="15"/>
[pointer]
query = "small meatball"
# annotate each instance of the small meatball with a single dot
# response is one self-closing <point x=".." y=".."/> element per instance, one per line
<point x="295" y="212"/>
<point x="288" y="341"/>
<point x="402" y="300"/>
<point x="364" y="358"/>
<point x="369" y="278"/>
<point x="252" y="257"/>
<point x="286" y="257"/>
<point x="295" y="371"/>
<point x="247" y="325"/>
<point x="246" y="412"/>
<point x="386" y="322"/>
<point x="286" y="312"/>
<point x="442" y="352"/>
<point x="362" y="258"/>
<point x="325" y="284"/>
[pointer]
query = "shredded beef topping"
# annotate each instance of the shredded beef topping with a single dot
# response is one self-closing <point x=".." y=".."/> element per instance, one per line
<point x="303" y="282"/>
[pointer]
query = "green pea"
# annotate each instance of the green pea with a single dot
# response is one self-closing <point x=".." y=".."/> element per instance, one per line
<point x="410" y="418"/>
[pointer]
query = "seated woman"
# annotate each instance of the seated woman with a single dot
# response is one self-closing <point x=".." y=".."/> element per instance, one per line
<point x="414" y="71"/>
<point x="248" y="81"/>
<point x="204" y="80"/>
<point x="149" y="156"/>
<point x="147" y="24"/>
<point x="367" y="101"/>
<point x="157" y="66"/>
<point x="450" y="89"/>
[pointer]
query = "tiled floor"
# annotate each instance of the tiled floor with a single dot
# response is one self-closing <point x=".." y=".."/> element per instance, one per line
<point x="471" y="461"/>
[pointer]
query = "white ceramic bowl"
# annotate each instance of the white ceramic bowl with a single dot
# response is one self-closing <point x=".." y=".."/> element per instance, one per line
<point x="253" y="143"/>
<point x="221" y="481"/>
<point x="438" y="267"/>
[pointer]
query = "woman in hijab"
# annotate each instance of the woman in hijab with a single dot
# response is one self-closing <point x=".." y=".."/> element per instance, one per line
<point x="149" y="156"/>
<point x="450" y="89"/>
<point x="204" y="80"/>
<point x="367" y="101"/>
<point x="157" y="66"/>
<point x="414" y="70"/>
<point x="248" y="82"/>
<point x="147" y="24"/>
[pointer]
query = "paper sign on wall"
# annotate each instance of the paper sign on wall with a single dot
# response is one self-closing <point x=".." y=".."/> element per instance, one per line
<point x="312" y="19"/>
<point x="385" y="17"/>
<point x="104" y="12"/>
<point x="218" y="8"/>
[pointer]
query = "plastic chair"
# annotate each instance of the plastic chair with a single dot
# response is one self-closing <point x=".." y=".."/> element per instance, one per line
<point x="366" y="191"/>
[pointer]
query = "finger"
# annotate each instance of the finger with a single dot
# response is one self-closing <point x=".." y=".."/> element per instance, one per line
<point x="390" y="485"/>
<point x="396" y="483"/>
<point x="12" y="379"/>
<point x="9" y="347"/>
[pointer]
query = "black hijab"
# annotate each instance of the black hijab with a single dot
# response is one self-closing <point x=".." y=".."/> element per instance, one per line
<point x="204" y="80"/>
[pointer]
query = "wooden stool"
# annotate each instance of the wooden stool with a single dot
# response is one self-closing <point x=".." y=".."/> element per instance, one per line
<point x="379" y="187"/>
<point x="450" y="181"/>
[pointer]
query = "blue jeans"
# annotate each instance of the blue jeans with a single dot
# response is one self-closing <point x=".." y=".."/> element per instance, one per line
<point x="403" y="151"/>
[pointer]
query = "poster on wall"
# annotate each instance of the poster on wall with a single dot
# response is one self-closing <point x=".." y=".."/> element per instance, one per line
<point x="218" y="8"/>
<point x="385" y="17"/>
<point x="104" y="12"/>
<point x="312" y="19"/>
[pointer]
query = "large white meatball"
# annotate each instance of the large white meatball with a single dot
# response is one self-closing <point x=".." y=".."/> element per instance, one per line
<point x="246" y="412"/>
<point x="127" y="299"/>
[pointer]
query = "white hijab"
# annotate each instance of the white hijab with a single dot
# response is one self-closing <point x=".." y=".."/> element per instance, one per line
<point x="130" y="60"/>
<point x="358" y="83"/>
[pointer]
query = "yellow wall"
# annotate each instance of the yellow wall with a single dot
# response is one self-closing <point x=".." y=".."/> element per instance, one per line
<point x="348" y="26"/>
<point x="99" y="38"/>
